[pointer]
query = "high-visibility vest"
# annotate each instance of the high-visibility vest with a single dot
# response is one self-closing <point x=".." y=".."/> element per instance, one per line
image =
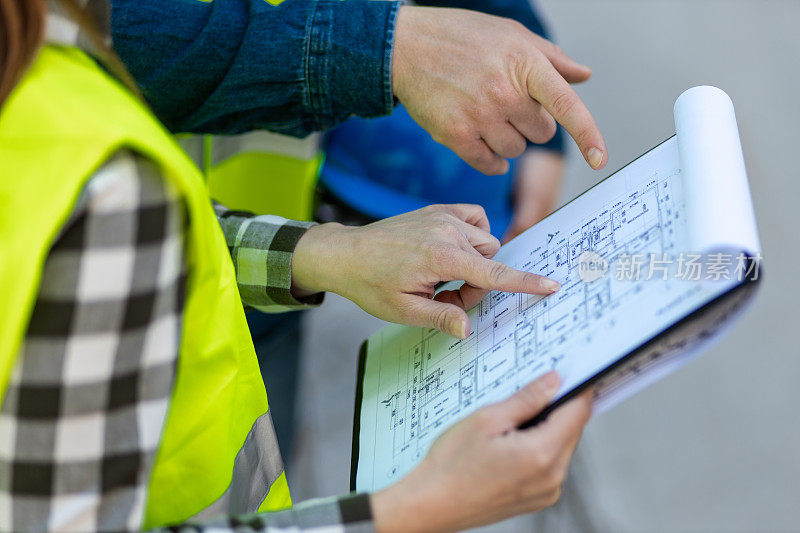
<point x="218" y="453"/>
<point x="259" y="171"/>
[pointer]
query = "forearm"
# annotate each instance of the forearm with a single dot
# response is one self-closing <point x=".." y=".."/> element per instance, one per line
<point x="239" y="65"/>
<point x="262" y="249"/>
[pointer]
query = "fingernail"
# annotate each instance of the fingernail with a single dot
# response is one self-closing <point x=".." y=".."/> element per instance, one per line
<point x="462" y="330"/>
<point x="551" y="381"/>
<point x="595" y="157"/>
<point x="550" y="284"/>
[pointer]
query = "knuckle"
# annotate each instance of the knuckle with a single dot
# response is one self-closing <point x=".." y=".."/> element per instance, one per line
<point x="458" y="130"/>
<point x="493" y="244"/>
<point x="451" y="230"/>
<point x="552" y="48"/>
<point x="553" y="497"/>
<point x="517" y="147"/>
<point x="499" y="92"/>
<point x="483" y="158"/>
<point x="559" y="476"/>
<point x="439" y="218"/>
<point x="439" y="318"/>
<point x="496" y="272"/>
<point x="516" y="26"/>
<point x="563" y="104"/>
<point x="529" y="280"/>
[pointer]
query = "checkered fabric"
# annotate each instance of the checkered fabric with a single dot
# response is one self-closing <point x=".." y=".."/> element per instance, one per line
<point x="261" y="248"/>
<point x="82" y="416"/>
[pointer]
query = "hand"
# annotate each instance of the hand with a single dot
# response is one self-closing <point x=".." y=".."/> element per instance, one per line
<point x="484" y="469"/>
<point x="481" y="85"/>
<point x="537" y="180"/>
<point x="391" y="267"/>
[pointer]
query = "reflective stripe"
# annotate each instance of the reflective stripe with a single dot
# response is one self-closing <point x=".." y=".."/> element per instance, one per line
<point x="225" y="146"/>
<point x="256" y="468"/>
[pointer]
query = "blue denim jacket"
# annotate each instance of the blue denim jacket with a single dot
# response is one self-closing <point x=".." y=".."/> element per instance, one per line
<point x="301" y="66"/>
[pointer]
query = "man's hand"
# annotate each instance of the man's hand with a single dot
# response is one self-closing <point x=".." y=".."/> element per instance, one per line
<point x="481" y="85"/>
<point x="537" y="180"/>
<point x="484" y="469"/>
<point x="391" y="267"/>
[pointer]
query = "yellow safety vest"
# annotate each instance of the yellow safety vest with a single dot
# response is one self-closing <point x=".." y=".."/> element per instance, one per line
<point x="260" y="172"/>
<point x="264" y="173"/>
<point x="218" y="453"/>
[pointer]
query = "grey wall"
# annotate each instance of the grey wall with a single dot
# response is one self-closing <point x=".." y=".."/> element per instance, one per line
<point x="715" y="447"/>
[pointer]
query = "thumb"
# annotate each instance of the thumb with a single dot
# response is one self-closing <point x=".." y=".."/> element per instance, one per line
<point x="527" y="402"/>
<point x="446" y="317"/>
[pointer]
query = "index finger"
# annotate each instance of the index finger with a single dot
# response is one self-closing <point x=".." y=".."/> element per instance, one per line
<point x="487" y="274"/>
<point x="551" y="90"/>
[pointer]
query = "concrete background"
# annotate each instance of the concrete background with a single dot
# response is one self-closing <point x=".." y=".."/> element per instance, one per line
<point x="715" y="447"/>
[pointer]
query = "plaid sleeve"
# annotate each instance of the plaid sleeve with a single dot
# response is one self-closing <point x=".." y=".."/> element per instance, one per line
<point x="261" y="248"/>
<point x="82" y="415"/>
<point x="348" y="514"/>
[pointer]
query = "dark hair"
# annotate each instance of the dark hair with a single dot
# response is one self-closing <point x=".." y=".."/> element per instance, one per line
<point x="21" y="29"/>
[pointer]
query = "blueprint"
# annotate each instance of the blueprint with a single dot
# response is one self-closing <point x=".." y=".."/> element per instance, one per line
<point x="417" y="382"/>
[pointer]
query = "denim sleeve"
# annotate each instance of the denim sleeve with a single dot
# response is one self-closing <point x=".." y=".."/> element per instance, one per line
<point x="524" y="12"/>
<point x="237" y="65"/>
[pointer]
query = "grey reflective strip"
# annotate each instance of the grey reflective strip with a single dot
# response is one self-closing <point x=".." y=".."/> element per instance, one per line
<point x="256" y="467"/>
<point x="193" y="146"/>
<point x="225" y="146"/>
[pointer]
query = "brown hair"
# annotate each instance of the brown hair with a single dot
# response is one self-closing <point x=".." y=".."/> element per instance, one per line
<point x="21" y="29"/>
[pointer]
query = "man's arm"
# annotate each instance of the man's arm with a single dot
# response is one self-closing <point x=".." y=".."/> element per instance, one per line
<point x="240" y="65"/>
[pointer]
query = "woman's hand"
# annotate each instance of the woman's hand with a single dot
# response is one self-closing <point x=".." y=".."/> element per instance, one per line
<point x="390" y="268"/>
<point x="484" y="469"/>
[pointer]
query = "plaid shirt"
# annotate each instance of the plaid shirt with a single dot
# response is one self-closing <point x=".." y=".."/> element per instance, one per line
<point x="81" y="418"/>
<point x="82" y="415"/>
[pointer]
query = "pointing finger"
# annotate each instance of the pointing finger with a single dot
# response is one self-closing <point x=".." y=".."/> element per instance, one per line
<point x="485" y="273"/>
<point x="551" y="90"/>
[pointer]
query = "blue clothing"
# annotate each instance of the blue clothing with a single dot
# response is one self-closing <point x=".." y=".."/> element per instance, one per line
<point x="238" y="65"/>
<point x="386" y="166"/>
